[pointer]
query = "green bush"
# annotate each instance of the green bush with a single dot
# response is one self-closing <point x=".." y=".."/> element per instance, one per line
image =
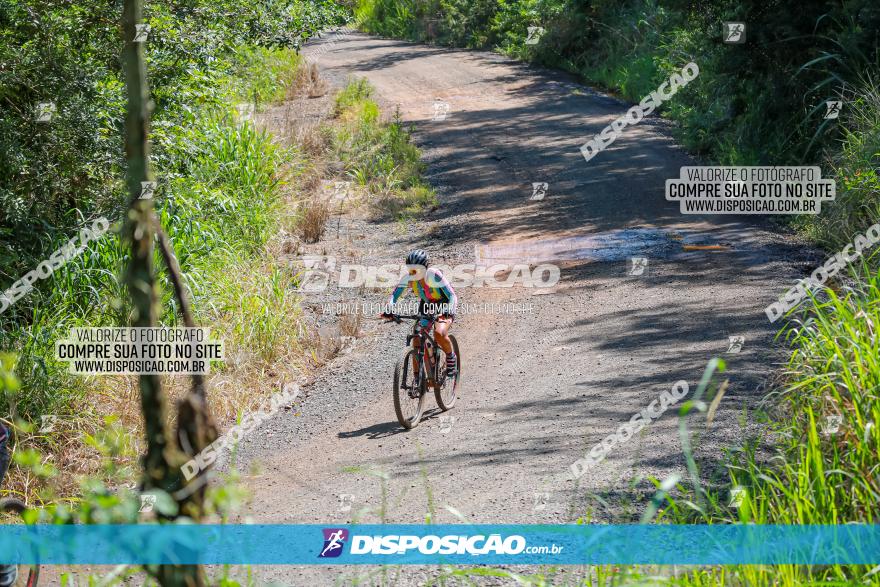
<point x="218" y="179"/>
<point x="217" y="209"/>
<point x="54" y="173"/>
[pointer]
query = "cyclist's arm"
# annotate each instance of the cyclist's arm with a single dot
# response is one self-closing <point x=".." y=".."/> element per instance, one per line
<point x="398" y="291"/>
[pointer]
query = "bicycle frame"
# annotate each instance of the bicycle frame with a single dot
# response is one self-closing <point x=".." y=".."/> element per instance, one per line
<point x="423" y="356"/>
<point x="426" y="349"/>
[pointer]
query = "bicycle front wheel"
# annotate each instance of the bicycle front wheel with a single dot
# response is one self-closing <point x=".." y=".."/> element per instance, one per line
<point x="409" y="400"/>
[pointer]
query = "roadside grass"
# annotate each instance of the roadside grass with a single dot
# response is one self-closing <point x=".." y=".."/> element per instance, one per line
<point x="856" y="166"/>
<point x="826" y="464"/>
<point x="221" y="188"/>
<point x="824" y="471"/>
<point x="265" y="75"/>
<point x="829" y="472"/>
<point x="379" y="157"/>
<point x="228" y="196"/>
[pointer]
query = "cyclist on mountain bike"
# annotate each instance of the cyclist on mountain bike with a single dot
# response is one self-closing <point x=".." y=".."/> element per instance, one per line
<point x="435" y="293"/>
<point x="8" y="573"/>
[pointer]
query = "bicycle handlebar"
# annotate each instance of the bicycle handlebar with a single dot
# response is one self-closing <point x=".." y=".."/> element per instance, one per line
<point x="399" y="317"/>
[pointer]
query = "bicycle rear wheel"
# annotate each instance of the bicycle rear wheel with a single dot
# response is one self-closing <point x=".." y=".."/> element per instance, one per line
<point x="408" y="401"/>
<point x="447" y="392"/>
<point x="27" y="575"/>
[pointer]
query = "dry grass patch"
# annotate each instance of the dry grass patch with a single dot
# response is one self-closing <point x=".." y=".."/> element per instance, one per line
<point x="307" y="82"/>
<point x="314" y="219"/>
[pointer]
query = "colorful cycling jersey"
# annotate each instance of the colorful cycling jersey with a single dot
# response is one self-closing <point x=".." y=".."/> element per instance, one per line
<point x="432" y="289"/>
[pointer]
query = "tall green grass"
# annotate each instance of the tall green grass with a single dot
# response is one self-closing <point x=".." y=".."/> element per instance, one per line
<point x="379" y="156"/>
<point x="826" y="464"/>
<point x="220" y="182"/>
<point x="263" y="75"/>
<point x="856" y="165"/>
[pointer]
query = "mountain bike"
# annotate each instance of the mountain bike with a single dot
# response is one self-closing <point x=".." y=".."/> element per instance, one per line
<point x="430" y="360"/>
<point x="29" y="578"/>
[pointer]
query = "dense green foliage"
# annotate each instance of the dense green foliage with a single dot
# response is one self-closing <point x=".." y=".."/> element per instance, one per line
<point x="218" y="178"/>
<point x="761" y="102"/>
<point x="856" y="165"/>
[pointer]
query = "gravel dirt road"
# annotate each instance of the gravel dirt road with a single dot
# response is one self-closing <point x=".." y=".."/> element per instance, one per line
<point x="540" y="387"/>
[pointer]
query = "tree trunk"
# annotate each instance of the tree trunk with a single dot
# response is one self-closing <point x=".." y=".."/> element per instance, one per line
<point x="163" y="459"/>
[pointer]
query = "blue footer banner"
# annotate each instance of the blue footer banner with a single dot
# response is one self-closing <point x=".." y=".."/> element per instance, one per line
<point x="487" y="544"/>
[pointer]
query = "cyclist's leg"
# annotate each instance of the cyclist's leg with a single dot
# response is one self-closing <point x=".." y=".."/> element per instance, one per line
<point x="415" y="361"/>
<point x="441" y="333"/>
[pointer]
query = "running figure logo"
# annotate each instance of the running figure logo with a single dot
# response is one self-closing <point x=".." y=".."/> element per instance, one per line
<point x="735" y="344"/>
<point x="535" y="34"/>
<point x="734" y="32"/>
<point x="441" y="110"/>
<point x="832" y="109"/>
<point x="638" y="265"/>
<point x="334" y="540"/>
<point x="539" y="190"/>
